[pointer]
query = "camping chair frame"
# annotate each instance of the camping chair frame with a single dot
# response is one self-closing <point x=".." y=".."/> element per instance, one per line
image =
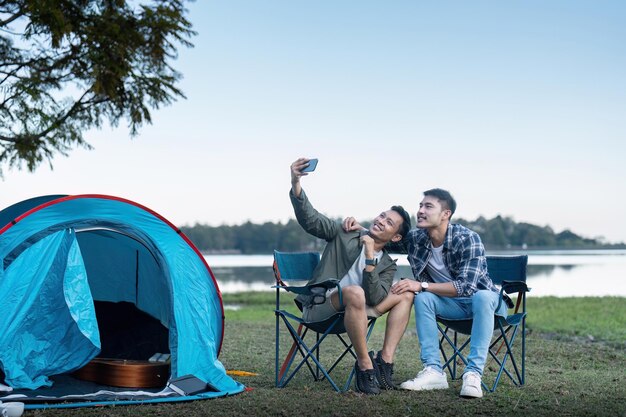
<point x="510" y="273"/>
<point x="298" y="267"/>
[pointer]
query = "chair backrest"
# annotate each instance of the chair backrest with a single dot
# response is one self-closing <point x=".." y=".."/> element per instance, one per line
<point x="507" y="268"/>
<point x="295" y="266"/>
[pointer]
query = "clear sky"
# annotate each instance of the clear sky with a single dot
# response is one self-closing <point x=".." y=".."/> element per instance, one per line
<point x="517" y="107"/>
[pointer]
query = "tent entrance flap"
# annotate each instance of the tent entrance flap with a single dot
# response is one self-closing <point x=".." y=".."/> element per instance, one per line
<point x="49" y="320"/>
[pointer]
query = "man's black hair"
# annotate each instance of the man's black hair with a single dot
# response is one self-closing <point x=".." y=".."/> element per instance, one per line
<point x="406" y="220"/>
<point x="446" y="199"/>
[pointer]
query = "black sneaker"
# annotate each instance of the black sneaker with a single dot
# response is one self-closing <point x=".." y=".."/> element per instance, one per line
<point x="365" y="381"/>
<point x="384" y="371"/>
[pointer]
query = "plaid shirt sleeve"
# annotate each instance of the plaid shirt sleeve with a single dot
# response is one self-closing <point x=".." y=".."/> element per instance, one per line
<point x="469" y="265"/>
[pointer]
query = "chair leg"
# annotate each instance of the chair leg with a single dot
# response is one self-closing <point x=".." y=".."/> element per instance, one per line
<point x="523" y="380"/>
<point x="277" y="346"/>
<point x="317" y="355"/>
<point x="288" y="358"/>
<point x="508" y="342"/>
<point x="310" y="355"/>
<point x="450" y="363"/>
<point x="285" y="373"/>
<point x="347" y="349"/>
<point x="299" y="343"/>
<point x="446" y="362"/>
<point x="456" y="336"/>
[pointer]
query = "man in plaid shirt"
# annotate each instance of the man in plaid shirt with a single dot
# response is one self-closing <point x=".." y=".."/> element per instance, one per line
<point x="448" y="261"/>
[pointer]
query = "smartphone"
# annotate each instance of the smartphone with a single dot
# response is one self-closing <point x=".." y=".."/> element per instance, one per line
<point x="312" y="165"/>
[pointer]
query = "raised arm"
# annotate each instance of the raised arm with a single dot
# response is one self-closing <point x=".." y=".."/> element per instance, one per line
<point x="296" y="174"/>
<point x="312" y="221"/>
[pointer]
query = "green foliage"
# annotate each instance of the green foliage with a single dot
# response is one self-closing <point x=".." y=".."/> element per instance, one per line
<point x="497" y="233"/>
<point x="67" y="66"/>
<point x="503" y="232"/>
<point x="251" y="238"/>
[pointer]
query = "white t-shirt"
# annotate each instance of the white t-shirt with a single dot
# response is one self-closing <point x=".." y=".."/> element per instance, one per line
<point x="355" y="273"/>
<point x="436" y="268"/>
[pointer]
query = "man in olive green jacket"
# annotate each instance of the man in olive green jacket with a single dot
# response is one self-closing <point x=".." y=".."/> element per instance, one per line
<point x="365" y="271"/>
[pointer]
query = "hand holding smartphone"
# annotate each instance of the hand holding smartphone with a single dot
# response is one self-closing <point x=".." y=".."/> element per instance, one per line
<point x="311" y="167"/>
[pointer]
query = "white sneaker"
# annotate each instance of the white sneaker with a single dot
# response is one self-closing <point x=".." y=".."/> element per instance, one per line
<point x="428" y="378"/>
<point x="471" y="385"/>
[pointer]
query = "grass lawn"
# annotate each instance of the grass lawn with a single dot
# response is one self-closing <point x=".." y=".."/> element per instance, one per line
<point x="576" y="365"/>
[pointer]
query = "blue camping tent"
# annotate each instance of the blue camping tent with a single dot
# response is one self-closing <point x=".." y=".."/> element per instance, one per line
<point x="61" y="254"/>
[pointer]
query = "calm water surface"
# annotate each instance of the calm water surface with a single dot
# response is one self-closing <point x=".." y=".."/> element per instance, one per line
<point x="557" y="273"/>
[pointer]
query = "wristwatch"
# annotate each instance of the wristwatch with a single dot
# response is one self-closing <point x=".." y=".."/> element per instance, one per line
<point x="424" y="286"/>
<point x="372" y="262"/>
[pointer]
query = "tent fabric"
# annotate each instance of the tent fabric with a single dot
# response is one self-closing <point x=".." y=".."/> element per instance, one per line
<point x="60" y="253"/>
<point x="49" y="320"/>
<point x="11" y="213"/>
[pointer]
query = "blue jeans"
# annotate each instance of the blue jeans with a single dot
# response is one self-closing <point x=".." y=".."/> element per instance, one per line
<point x="480" y="307"/>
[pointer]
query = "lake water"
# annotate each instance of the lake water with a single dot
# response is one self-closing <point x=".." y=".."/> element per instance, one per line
<point x="557" y="273"/>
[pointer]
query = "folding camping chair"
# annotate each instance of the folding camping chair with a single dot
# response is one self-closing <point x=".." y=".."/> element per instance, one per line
<point x="289" y="268"/>
<point x="510" y="273"/>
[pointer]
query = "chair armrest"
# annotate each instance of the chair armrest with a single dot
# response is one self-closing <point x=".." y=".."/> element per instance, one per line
<point x="309" y="289"/>
<point x="514" y="286"/>
<point x="509" y="287"/>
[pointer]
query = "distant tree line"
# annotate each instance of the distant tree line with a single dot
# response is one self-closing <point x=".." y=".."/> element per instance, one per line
<point x="497" y="233"/>
<point x="252" y="238"/>
<point x="503" y="233"/>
